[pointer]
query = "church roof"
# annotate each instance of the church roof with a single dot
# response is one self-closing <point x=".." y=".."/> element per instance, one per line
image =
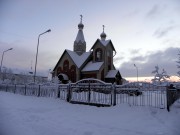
<point x="111" y="73"/>
<point x="104" y="43"/>
<point x="78" y="59"/>
<point x="80" y="37"/>
<point x="90" y="66"/>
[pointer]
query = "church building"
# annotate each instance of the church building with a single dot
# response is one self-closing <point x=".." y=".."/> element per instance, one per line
<point x="96" y="63"/>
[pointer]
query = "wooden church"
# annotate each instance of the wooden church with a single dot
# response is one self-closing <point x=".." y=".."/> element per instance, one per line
<point x="96" y="63"/>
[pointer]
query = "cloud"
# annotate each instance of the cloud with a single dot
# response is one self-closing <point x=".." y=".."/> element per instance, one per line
<point x="163" y="58"/>
<point x="119" y="58"/>
<point x="132" y="13"/>
<point x="161" y="32"/>
<point x="139" y="59"/>
<point x="153" y="11"/>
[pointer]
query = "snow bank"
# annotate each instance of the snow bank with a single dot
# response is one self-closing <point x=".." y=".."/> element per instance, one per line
<point x="26" y="115"/>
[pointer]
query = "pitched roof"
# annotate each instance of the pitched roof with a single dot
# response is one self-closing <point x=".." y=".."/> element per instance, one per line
<point x="78" y="59"/>
<point x="112" y="73"/>
<point x="104" y="43"/>
<point x="90" y="66"/>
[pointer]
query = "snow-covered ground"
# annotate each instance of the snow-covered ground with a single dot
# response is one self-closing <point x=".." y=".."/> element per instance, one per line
<point x="27" y="115"/>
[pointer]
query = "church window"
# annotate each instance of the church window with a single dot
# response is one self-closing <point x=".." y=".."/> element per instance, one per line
<point x="59" y="70"/>
<point x="98" y="54"/>
<point x="66" y="66"/>
<point x="109" y="53"/>
<point x="73" y="73"/>
<point x="109" y="63"/>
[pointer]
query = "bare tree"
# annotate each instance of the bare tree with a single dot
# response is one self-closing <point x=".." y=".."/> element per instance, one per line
<point x="178" y="66"/>
<point x="159" y="77"/>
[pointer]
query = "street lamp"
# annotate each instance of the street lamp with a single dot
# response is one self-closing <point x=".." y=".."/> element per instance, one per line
<point x="137" y="71"/>
<point x="37" y="52"/>
<point x="3" y="56"/>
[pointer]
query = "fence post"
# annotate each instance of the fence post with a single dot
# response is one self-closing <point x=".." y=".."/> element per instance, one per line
<point x="167" y="96"/>
<point x="38" y="91"/>
<point x="114" y="93"/>
<point x="58" y="91"/>
<point x="15" y="89"/>
<point x="6" y="88"/>
<point x="69" y="94"/>
<point x="25" y="90"/>
<point x="89" y="93"/>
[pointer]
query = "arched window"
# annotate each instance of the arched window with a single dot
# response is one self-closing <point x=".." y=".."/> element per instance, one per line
<point x="66" y="66"/>
<point x="98" y="54"/>
<point x="59" y="70"/>
<point x="73" y="73"/>
<point x="109" y="53"/>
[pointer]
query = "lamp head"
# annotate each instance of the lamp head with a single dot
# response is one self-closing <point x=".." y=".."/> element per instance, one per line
<point x="48" y="30"/>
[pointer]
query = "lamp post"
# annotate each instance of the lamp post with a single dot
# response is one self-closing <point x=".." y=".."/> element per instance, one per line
<point x="3" y="56"/>
<point x="37" y="52"/>
<point x="137" y="71"/>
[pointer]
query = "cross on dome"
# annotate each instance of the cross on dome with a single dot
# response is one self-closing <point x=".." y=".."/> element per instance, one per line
<point x="81" y="18"/>
<point x="80" y="25"/>
<point x="103" y="35"/>
<point x="103" y="27"/>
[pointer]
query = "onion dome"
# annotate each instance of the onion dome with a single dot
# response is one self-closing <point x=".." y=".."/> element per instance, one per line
<point x="80" y="26"/>
<point x="103" y="35"/>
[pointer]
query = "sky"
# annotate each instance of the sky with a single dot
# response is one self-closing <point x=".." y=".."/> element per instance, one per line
<point x="144" y="33"/>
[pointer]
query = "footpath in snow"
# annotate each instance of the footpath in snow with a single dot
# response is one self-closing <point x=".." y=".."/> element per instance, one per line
<point x="27" y="115"/>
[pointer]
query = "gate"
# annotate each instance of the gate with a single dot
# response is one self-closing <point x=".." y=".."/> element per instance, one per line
<point x="172" y="96"/>
<point x="92" y="92"/>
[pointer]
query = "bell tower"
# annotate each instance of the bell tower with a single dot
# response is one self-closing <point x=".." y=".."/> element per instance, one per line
<point x="79" y="43"/>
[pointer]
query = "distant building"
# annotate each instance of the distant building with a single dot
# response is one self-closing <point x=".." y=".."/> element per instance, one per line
<point x="96" y="63"/>
<point x="21" y="78"/>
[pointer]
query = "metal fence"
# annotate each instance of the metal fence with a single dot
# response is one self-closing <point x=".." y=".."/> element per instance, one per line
<point x="30" y="90"/>
<point x="145" y="94"/>
<point x="96" y="92"/>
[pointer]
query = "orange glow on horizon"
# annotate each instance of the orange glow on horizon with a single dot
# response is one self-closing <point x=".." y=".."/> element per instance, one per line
<point x="149" y="78"/>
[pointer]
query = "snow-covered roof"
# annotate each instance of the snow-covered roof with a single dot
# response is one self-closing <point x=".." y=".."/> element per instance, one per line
<point x="80" y="36"/>
<point x="104" y="42"/>
<point x="92" y="66"/>
<point x="78" y="59"/>
<point x="111" y="73"/>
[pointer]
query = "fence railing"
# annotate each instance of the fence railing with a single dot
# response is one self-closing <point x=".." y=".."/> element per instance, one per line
<point x="100" y="93"/>
<point x="31" y="90"/>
